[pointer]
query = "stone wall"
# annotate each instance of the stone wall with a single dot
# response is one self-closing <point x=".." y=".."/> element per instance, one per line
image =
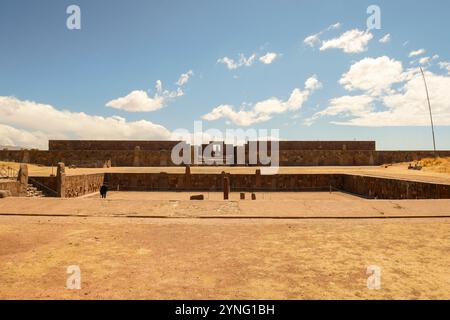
<point x="370" y="187"/>
<point x="12" y="186"/>
<point x="67" y="145"/>
<point x="149" y="158"/>
<point x="69" y="186"/>
<point x="323" y="145"/>
<point x="384" y="188"/>
<point x="76" y="186"/>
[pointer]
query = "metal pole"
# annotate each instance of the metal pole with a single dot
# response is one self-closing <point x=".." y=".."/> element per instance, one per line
<point x="429" y="107"/>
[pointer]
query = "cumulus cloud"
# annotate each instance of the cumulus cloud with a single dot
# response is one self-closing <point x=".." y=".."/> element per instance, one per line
<point x="385" y="39"/>
<point x="268" y="58"/>
<point x="264" y="110"/>
<point x="418" y="52"/>
<point x="352" y="41"/>
<point x="374" y="75"/>
<point x="345" y="106"/>
<point x="184" y="78"/>
<point x="20" y="125"/>
<point x="140" y="101"/>
<point x="314" y="39"/>
<point x="381" y="105"/>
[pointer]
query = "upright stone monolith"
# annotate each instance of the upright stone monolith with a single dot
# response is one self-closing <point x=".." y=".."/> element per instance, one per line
<point x="258" y="179"/>
<point x="22" y="177"/>
<point x="61" y="180"/>
<point x="226" y="188"/>
<point x="187" y="178"/>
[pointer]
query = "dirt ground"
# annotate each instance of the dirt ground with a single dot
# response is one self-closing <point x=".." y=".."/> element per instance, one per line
<point x="158" y="245"/>
<point x="128" y="258"/>
<point x="161" y="245"/>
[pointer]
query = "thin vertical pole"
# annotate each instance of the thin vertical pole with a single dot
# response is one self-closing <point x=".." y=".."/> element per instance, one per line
<point x="429" y="108"/>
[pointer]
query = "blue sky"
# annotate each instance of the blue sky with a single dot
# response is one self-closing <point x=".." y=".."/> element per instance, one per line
<point x="61" y="83"/>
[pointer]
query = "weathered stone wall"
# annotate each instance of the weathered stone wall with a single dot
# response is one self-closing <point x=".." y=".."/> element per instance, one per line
<point x="384" y="188"/>
<point x="323" y="145"/>
<point x="214" y="182"/>
<point x="76" y="186"/>
<point x="13" y="186"/>
<point x="66" y="145"/>
<point x="371" y="187"/>
<point x="149" y="158"/>
<point x="68" y="186"/>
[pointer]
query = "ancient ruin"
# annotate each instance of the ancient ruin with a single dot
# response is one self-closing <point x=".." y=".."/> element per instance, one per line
<point x="111" y="154"/>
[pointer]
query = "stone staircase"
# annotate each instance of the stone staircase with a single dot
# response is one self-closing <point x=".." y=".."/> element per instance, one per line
<point x="33" y="192"/>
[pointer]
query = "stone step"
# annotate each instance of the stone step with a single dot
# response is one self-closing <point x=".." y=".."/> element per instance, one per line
<point x="33" y="191"/>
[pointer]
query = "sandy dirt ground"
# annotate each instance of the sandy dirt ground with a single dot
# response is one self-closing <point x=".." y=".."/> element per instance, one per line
<point x="223" y="259"/>
<point x="398" y="171"/>
<point x="270" y="205"/>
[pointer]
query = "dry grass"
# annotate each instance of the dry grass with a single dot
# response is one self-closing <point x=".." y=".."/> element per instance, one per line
<point x="441" y="165"/>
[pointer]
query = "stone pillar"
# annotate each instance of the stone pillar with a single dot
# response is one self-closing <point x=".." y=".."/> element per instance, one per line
<point x="22" y="177"/>
<point x="137" y="157"/>
<point x="258" y="179"/>
<point x="26" y="156"/>
<point x="187" y="178"/>
<point x="226" y="187"/>
<point x="61" y="180"/>
<point x="163" y="181"/>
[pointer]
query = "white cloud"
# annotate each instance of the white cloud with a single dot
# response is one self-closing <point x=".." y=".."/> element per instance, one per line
<point x="262" y="111"/>
<point x="242" y="62"/>
<point x="352" y="41"/>
<point x="374" y="75"/>
<point x="405" y="106"/>
<point x="445" y="65"/>
<point x="10" y="136"/>
<point x="417" y="53"/>
<point x="268" y="58"/>
<point x="345" y="106"/>
<point x="386" y="38"/>
<point x="425" y="60"/>
<point x="314" y="39"/>
<point x="184" y="78"/>
<point x="140" y="101"/>
<point x="19" y="125"/>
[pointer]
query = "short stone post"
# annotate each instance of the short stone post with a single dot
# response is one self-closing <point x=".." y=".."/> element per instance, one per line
<point x="61" y="180"/>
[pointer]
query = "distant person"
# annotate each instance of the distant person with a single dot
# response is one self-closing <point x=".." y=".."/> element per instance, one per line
<point x="103" y="191"/>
